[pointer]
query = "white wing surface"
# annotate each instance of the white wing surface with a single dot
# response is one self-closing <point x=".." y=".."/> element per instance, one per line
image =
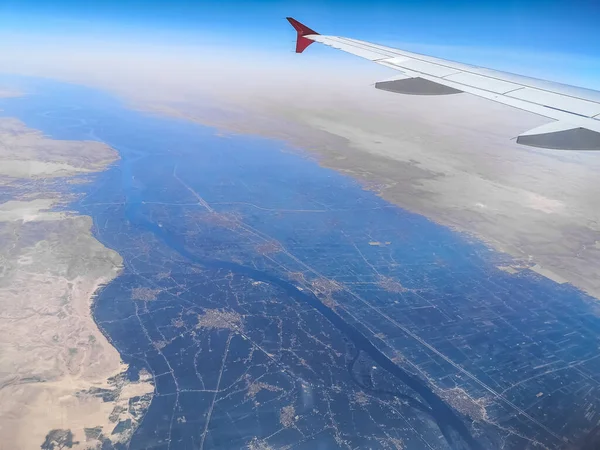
<point x="576" y="110"/>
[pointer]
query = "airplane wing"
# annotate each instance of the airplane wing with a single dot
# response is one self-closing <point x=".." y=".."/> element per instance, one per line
<point x="576" y="111"/>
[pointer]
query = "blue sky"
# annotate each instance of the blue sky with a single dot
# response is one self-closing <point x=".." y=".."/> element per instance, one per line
<point x="546" y="25"/>
<point x="520" y="27"/>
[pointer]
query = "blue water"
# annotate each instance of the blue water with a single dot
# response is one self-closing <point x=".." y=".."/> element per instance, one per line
<point x="237" y="224"/>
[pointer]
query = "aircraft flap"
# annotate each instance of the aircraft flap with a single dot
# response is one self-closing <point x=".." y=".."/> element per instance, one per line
<point x="415" y="86"/>
<point x="562" y="136"/>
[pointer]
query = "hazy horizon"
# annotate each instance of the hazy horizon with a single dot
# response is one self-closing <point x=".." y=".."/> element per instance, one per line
<point x="72" y="41"/>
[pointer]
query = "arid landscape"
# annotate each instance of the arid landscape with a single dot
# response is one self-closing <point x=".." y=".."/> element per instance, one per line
<point x="61" y="381"/>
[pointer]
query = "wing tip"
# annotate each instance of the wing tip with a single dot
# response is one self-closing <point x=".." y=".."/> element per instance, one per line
<point x="302" y="30"/>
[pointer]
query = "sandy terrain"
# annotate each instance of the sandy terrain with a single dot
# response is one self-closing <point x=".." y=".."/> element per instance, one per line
<point x="60" y="379"/>
<point x="27" y="153"/>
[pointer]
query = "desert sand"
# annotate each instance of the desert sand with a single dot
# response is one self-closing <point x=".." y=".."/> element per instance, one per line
<point x="61" y="380"/>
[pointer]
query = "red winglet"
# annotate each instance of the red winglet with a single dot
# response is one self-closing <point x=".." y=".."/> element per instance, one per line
<point x="303" y="30"/>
